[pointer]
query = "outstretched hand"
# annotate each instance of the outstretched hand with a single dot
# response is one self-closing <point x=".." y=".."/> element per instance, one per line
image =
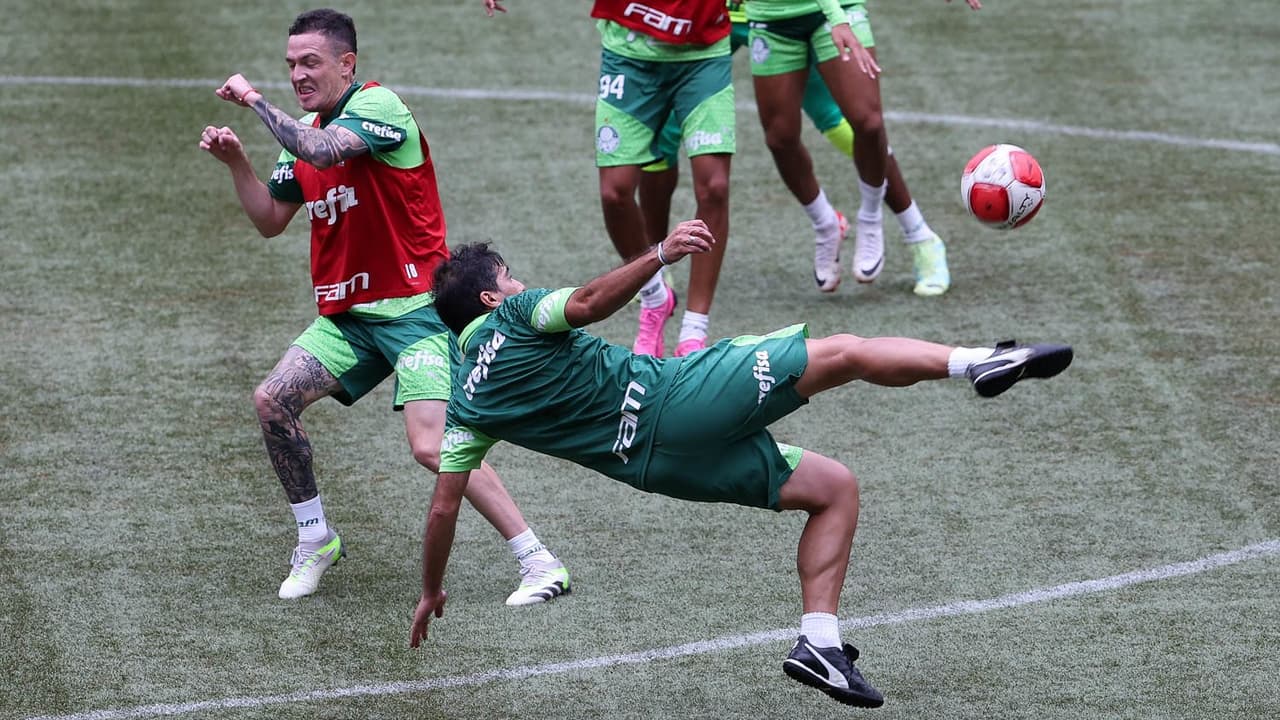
<point x="427" y="606"/>
<point x="975" y="4"/>
<point x="491" y="5"/>
<point x="689" y="237"/>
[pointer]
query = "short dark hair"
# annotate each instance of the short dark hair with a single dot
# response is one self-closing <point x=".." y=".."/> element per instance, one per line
<point x="458" y="282"/>
<point x="338" y="27"/>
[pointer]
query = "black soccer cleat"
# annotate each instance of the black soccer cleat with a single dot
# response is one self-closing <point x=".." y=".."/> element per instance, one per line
<point x="831" y="670"/>
<point x="1012" y="362"/>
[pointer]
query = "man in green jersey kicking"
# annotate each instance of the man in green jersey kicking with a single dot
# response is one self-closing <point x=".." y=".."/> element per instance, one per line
<point x="694" y="428"/>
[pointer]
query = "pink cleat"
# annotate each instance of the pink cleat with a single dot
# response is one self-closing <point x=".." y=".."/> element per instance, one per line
<point x="652" y="321"/>
<point x="690" y="346"/>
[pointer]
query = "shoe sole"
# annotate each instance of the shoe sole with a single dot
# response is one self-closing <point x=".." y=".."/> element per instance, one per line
<point x="1045" y="362"/>
<point x="534" y="600"/>
<point x="801" y="674"/>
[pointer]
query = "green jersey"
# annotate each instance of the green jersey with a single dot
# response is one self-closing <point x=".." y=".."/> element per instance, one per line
<point x="528" y="378"/>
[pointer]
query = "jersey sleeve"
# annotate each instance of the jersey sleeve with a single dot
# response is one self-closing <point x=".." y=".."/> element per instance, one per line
<point x="463" y="448"/>
<point x="384" y="123"/>
<point x="834" y="13"/>
<point x="548" y="313"/>
<point x="282" y="184"/>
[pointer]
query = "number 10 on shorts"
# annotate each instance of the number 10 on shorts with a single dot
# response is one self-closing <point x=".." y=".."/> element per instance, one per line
<point x="612" y="85"/>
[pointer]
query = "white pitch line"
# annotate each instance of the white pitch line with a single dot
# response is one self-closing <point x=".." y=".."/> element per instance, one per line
<point x="1266" y="549"/>
<point x="1032" y="126"/>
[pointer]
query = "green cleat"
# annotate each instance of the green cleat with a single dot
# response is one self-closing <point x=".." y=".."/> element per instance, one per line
<point x="932" y="276"/>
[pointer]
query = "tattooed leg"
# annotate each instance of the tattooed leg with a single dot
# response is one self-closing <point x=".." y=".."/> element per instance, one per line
<point x="297" y="381"/>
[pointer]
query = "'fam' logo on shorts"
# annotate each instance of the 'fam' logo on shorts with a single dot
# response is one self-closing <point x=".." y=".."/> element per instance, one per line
<point x="759" y="51"/>
<point x="607" y="139"/>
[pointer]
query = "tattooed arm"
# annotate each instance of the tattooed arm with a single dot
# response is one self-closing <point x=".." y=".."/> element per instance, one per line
<point x="321" y="148"/>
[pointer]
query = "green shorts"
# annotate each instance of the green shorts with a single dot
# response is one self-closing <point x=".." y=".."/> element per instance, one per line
<point x="711" y="443"/>
<point x="637" y="96"/>
<point x="361" y="352"/>
<point x="784" y="46"/>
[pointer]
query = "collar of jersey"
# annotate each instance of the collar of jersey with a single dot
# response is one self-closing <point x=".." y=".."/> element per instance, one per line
<point x="342" y="104"/>
<point x="470" y="330"/>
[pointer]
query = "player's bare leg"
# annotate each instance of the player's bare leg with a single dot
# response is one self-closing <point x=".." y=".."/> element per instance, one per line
<point x="622" y="218"/>
<point x="711" y="191"/>
<point x="778" y="98"/>
<point x="625" y="225"/>
<point x="858" y="96"/>
<point x="898" y="362"/>
<point x="656" y="190"/>
<point x="543" y="576"/>
<point x="828" y="492"/>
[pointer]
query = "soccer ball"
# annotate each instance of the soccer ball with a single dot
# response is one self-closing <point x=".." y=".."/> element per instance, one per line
<point x="1002" y="186"/>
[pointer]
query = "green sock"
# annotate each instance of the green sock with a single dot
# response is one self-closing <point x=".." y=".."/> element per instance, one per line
<point x="842" y="137"/>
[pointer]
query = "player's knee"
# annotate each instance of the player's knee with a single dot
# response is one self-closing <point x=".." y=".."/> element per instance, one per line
<point x="268" y="405"/>
<point x="428" y="456"/>
<point x="713" y="192"/>
<point x="843" y="486"/>
<point x="867" y="121"/>
<point x="613" y="196"/>
<point x="782" y="137"/>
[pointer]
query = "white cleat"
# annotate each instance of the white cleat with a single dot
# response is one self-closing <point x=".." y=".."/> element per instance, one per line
<point x="308" y="566"/>
<point x="826" y="257"/>
<point x="540" y="583"/>
<point x="868" y="250"/>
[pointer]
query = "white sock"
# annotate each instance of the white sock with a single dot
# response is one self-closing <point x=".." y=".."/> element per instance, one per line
<point x="654" y="292"/>
<point x="872" y="197"/>
<point x="312" y="528"/>
<point x="821" y="629"/>
<point x="529" y="550"/>
<point x="962" y="358"/>
<point x="823" y="217"/>
<point x="693" y="326"/>
<point x="914" y="227"/>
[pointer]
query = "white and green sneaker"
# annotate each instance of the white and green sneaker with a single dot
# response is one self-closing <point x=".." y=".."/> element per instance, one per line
<point x="308" y="566"/>
<point x="540" y="583"/>
<point x="932" y="276"/>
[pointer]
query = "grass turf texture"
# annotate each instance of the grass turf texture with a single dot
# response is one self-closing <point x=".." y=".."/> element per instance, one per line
<point x="144" y="535"/>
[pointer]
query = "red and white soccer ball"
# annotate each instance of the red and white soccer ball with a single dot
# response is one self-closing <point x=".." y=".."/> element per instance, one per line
<point x="1002" y="186"/>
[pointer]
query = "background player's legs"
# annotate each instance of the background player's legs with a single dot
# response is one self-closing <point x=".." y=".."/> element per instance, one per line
<point x="626" y="227"/>
<point x="858" y="97"/>
<point x="711" y="192"/>
<point x="656" y="189"/>
<point x="424" y="425"/>
<point x="778" y="103"/>
<point x="297" y="381"/>
<point x="622" y="218"/>
<point x="778" y="98"/>
<point x="929" y="253"/>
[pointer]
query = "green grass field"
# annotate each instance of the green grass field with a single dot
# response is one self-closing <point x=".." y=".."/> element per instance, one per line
<point x="1103" y="545"/>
